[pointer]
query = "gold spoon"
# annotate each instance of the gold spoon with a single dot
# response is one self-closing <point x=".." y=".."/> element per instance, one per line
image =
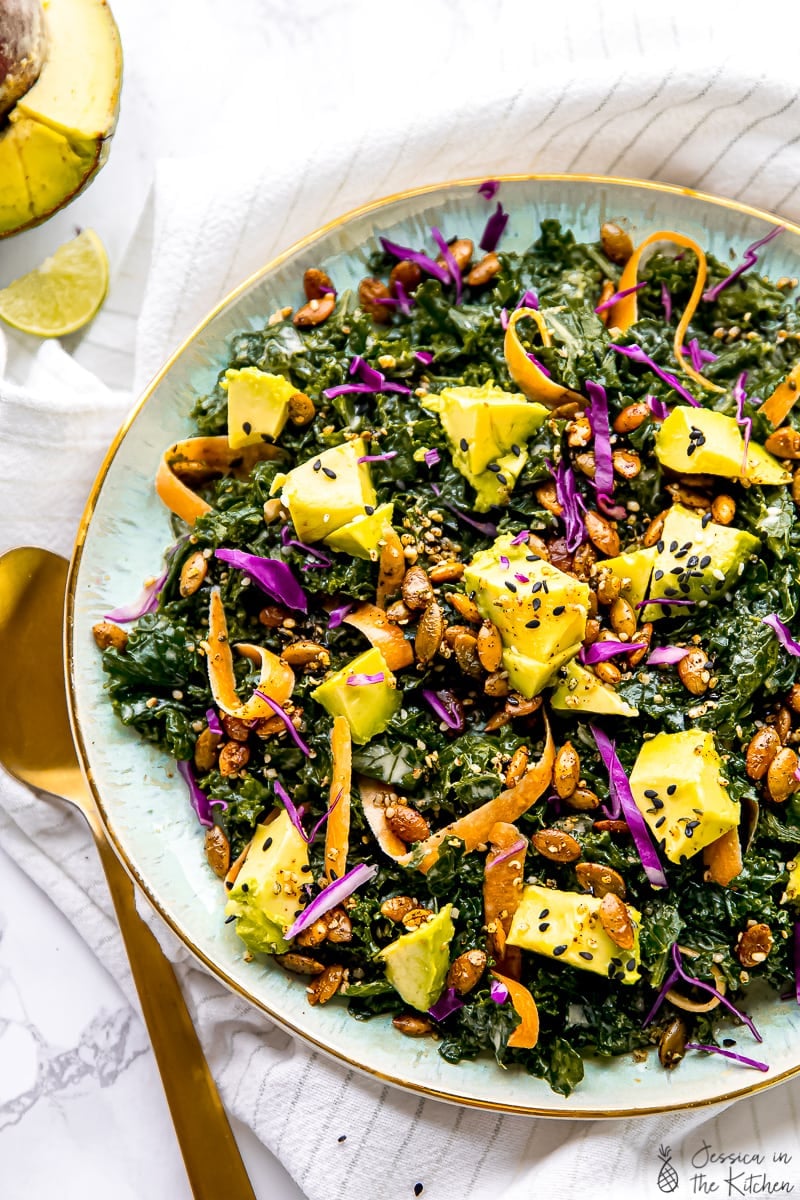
<point x="36" y="746"/>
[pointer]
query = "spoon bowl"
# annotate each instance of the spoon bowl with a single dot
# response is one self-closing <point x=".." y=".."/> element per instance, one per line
<point x="36" y="747"/>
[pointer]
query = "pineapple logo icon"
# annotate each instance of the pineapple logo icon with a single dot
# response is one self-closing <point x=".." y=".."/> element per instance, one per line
<point x="667" y="1176"/>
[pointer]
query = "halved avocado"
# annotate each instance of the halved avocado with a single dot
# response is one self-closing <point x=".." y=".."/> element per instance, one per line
<point x="58" y="132"/>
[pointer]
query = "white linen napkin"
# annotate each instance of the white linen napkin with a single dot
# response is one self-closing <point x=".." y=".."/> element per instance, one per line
<point x="318" y="108"/>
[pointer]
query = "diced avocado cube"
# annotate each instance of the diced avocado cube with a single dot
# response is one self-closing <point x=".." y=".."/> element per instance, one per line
<point x="696" y="560"/>
<point x="633" y="568"/>
<point x="487" y="429"/>
<point x="566" y="926"/>
<point x="579" y="690"/>
<point x="679" y="789"/>
<point x="327" y="491"/>
<point x="258" y="405"/>
<point x="539" y="611"/>
<point x="699" y="441"/>
<point x="368" y="707"/>
<point x="793" y="883"/>
<point x="362" y="537"/>
<point x="276" y="859"/>
<point x="416" y="963"/>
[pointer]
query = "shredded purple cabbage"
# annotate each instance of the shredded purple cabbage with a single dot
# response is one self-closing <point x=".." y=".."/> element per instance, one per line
<point x="446" y="708"/>
<point x="609" y="509"/>
<point x="504" y="318"/>
<point x="612" y="300"/>
<point x="520" y="538"/>
<point x="147" y="600"/>
<point x="638" y="355"/>
<point x="447" y="255"/>
<point x="665" y="655"/>
<point x="520" y="578"/>
<point x="330" y="896"/>
<point x="782" y="633"/>
<point x="528" y="299"/>
<point x="287" y="720"/>
<point x="270" y="574"/>
<point x="666" y="300"/>
<point x="361" y="679"/>
<point x="495" y="228"/>
<point x="386" y="457"/>
<point x="749" y="260"/>
<point x="484" y="527"/>
<point x="212" y="721"/>
<point x="424" y="356"/>
<point x="288" y="543"/>
<point x="571" y="503"/>
<point x="446" y="1005"/>
<point x="432" y="457"/>
<point x="658" y="408"/>
<point x="747" y="1062"/>
<point x="504" y="855"/>
<point x="372" y="381"/>
<point x="600" y="651"/>
<point x="539" y="365"/>
<point x="697" y="355"/>
<point x="426" y="264"/>
<point x="199" y="800"/>
<point x="624" y="803"/>
<point x="366" y="373"/>
<point x="489" y="188"/>
<point x="601" y="430"/>
<point x="296" y="814"/>
<point x="680" y="972"/>
<point x="746" y="423"/>
<point x="498" y="992"/>
<point x="337" y="615"/>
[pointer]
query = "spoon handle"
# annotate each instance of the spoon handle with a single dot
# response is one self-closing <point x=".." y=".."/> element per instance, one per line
<point x="210" y="1153"/>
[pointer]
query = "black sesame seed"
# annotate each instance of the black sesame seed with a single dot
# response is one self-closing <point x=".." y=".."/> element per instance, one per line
<point x="729" y="1041"/>
<point x="558" y="951"/>
<point x="657" y="804"/>
<point x="502" y="479"/>
<point x="559" y="609"/>
<point x="512" y="587"/>
<point x="586" y="954"/>
<point x="659" y="574"/>
<point x="544" y="913"/>
<point x="516" y="450"/>
<point x="631" y="964"/>
<point x="247" y="427"/>
<point x="229" y="884"/>
<point x="306" y="867"/>
<point x="692" y="561"/>
<point x="317" y="465"/>
<point x="672" y="789"/>
<point x="660" y="547"/>
<point x="650" y="793"/>
<point x="267" y="844"/>
<point x="464" y="444"/>
<point x="673" y="546"/>
<point x="705" y="561"/>
<point x="328" y="472"/>
<point x="493" y="467"/>
<point x="342" y="1137"/>
<point x="232" y="917"/>
<point x="245" y="887"/>
<point x="690" y="449"/>
<point x="705" y="519"/>
<point x="369" y="509"/>
<point x="537" y="604"/>
<point x="660" y="822"/>
<point x="690" y="828"/>
<point x="531" y="558"/>
<point x="534" y="624"/>
<point x="544" y="925"/>
<point x="418" y="1189"/>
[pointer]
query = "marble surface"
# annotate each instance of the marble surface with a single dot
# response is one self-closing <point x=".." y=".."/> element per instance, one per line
<point x="77" y="1075"/>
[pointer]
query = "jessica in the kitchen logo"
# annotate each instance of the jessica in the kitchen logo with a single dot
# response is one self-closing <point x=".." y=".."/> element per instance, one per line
<point x="709" y="1170"/>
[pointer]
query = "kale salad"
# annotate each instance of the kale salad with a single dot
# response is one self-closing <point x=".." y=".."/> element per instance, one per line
<point x="474" y="645"/>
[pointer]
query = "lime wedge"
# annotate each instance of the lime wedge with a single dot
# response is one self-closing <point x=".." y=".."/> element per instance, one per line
<point x="61" y="295"/>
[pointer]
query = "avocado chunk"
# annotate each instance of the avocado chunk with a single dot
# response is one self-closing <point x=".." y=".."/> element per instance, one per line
<point x="277" y="857"/>
<point x="362" y="537"/>
<point x="579" y="690"/>
<point x="566" y="926"/>
<point x="487" y="429"/>
<point x="696" y="561"/>
<point x="258" y="406"/>
<point x="679" y="789"/>
<point x="539" y="611"/>
<point x="416" y="963"/>
<point x="633" y="568"/>
<point x="327" y="491"/>
<point x="368" y="707"/>
<point x="698" y="441"/>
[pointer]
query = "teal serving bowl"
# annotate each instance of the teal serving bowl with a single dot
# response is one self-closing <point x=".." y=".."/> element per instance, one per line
<point x="124" y="530"/>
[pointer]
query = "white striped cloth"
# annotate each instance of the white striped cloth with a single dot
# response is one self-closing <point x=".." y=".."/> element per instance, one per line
<point x="293" y="114"/>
